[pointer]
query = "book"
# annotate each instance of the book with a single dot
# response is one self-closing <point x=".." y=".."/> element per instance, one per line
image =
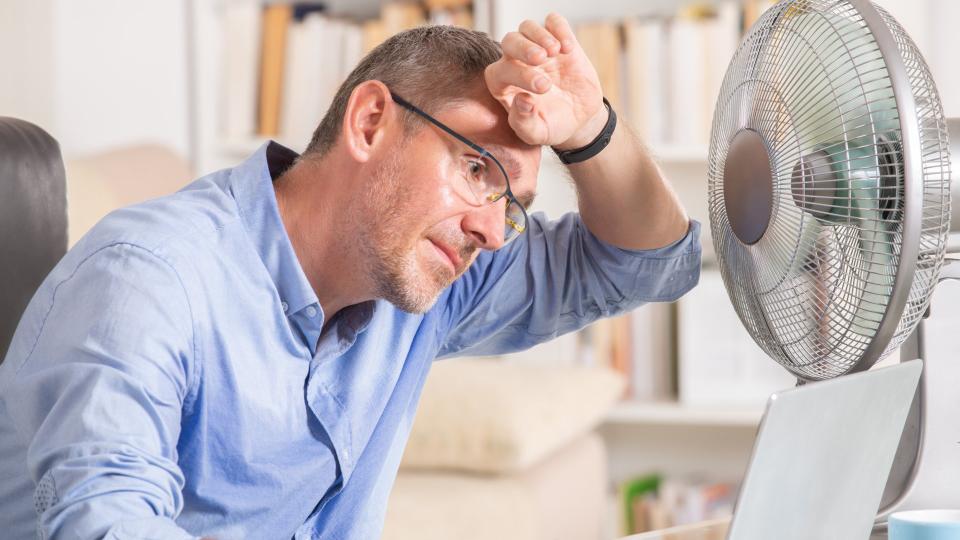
<point x="301" y="81"/>
<point x="374" y="32"/>
<point x="721" y="39"/>
<point x="321" y="53"/>
<point x="399" y="16"/>
<point x="241" y="58"/>
<point x="276" y="22"/>
<point x="653" y="502"/>
<point x="652" y="353"/>
<point x="461" y="17"/>
<point x="719" y="363"/>
<point x="645" y="51"/>
<point x="602" y="44"/>
<point x="687" y="47"/>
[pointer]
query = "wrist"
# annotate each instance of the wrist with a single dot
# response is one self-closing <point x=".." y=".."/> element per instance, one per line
<point x="587" y="131"/>
<point x="596" y="145"/>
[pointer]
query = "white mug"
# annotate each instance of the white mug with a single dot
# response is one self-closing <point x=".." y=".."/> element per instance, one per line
<point x="924" y="525"/>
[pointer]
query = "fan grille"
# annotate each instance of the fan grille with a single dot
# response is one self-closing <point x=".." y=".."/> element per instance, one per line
<point x="812" y="81"/>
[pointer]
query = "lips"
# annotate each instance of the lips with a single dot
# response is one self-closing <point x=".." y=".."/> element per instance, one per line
<point x="450" y="254"/>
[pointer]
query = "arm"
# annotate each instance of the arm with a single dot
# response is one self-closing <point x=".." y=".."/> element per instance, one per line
<point x="555" y="279"/>
<point x="98" y="399"/>
<point x="631" y="243"/>
<point x="622" y="195"/>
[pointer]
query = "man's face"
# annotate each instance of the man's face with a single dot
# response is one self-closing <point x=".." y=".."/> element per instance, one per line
<point x="423" y="232"/>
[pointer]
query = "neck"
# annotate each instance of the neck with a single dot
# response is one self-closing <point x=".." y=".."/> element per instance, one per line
<point x="313" y="199"/>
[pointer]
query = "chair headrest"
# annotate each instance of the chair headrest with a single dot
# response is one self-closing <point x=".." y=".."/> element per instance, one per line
<point x="33" y="217"/>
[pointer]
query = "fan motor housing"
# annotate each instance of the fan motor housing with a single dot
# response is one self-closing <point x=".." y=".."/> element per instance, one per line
<point x="748" y="186"/>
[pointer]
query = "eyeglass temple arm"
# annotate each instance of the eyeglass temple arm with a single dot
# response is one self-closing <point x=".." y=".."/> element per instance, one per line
<point x="479" y="149"/>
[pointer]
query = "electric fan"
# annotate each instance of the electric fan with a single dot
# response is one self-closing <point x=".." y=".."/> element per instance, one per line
<point x="829" y="200"/>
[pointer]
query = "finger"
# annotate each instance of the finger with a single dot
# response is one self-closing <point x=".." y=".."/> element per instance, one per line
<point x="539" y="35"/>
<point x="499" y="75"/>
<point x="525" y="121"/>
<point x="517" y="46"/>
<point x="557" y="25"/>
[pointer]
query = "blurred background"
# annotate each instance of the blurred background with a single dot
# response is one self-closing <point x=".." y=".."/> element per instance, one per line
<point x="635" y="423"/>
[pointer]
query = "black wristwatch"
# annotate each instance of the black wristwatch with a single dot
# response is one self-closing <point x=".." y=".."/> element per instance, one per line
<point x="596" y="145"/>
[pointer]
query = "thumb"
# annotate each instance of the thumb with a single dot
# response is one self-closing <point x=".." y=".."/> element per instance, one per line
<point x="525" y="119"/>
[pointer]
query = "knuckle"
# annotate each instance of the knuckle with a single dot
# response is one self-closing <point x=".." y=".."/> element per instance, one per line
<point x="530" y="75"/>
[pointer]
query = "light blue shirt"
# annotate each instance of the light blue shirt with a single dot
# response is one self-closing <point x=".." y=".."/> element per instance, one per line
<point x="169" y="378"/>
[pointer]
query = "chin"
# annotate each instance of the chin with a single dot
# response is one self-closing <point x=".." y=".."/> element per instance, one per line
<point x="415" y="285"/>
<point x="414" y="298"/>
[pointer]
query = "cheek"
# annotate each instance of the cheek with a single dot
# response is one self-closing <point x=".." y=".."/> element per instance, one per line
<point x="447" y="196"/>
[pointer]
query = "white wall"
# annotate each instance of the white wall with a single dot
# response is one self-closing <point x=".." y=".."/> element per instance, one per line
<point x="97" y="73"/>
<point x="26" y="61"/>
<point x="121" y="74"/>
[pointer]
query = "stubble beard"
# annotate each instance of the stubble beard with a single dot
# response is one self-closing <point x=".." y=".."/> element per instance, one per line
<point x="394" y="266"/>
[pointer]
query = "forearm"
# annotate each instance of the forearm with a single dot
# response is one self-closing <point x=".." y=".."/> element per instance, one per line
<point x="623" y="196"/>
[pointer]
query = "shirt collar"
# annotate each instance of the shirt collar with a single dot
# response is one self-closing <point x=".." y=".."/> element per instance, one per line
<point x="252" y="186"/>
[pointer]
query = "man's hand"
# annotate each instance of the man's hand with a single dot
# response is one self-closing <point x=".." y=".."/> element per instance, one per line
<point x="548" y="85"/>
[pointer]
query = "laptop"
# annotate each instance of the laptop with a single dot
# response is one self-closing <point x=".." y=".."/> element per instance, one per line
<point x="822" y="456"/>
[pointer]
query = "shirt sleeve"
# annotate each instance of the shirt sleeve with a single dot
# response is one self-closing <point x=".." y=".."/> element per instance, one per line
<point x="556" y="279"/>
<point x="98" y="400"/>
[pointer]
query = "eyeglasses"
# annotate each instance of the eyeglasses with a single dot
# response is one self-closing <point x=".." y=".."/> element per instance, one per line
<point x="479" y="183"/>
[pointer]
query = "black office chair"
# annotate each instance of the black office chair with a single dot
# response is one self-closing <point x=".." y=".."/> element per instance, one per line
<point x="33" y="217"/>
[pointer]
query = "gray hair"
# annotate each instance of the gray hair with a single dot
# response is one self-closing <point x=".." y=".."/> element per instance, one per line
<point x="430" y="65"/>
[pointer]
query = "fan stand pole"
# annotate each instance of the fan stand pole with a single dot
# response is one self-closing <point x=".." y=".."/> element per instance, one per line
<point x="906" y="463"/>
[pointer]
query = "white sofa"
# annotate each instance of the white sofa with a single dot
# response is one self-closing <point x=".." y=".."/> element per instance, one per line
<point x="505" y="451"/>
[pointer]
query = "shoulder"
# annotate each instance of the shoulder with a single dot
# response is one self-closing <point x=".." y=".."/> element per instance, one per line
<point x="180" y="228"/>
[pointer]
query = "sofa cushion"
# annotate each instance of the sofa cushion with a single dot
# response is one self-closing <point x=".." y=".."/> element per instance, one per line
<point x="484" y="415"/>
<point x="561" y="498"/>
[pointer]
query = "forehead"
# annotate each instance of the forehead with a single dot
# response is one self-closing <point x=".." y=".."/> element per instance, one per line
<point x="484" y="121"/>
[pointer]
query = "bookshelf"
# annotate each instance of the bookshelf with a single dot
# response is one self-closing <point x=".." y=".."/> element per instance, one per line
<point x="224" y="123"/>
<point x="227" y="64"/>
<point x="221" y="138"/>
<point x="679" y="437"/>
<point x="645" y="413"/>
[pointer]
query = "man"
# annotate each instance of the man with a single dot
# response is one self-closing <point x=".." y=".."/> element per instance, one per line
<point x="243" y="359"/>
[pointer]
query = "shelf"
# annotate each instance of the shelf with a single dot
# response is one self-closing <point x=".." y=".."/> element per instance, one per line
<point x="677" y="414"/>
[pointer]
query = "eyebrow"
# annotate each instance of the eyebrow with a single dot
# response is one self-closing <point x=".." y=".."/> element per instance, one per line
<point x="526" y="199"/>
<point x="514" y="169"/>
<point x="507" y="159"/>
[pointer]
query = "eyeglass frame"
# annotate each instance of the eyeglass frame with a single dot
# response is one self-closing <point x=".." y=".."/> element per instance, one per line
<point x="508" y="193"/>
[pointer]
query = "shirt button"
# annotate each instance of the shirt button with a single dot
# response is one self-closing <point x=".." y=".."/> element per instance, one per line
<point x="311" y="312"/>
<point x="284" y="306"/>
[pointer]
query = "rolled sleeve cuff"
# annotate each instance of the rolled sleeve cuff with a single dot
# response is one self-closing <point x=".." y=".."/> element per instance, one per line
<point x="662" y="274"/>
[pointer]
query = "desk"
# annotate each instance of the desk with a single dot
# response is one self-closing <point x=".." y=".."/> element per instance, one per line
<point x="708" y="530"/>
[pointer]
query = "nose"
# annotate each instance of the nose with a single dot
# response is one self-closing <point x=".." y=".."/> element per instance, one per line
<point x="485" y="225"/>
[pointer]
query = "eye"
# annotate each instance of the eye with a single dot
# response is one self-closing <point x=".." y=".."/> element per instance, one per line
<point x="477" y="171"/>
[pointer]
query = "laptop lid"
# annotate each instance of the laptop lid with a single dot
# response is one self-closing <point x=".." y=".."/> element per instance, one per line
<point x="822" y="456"/>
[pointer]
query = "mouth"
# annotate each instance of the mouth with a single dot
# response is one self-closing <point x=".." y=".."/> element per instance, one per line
<point x="449" y="255"/>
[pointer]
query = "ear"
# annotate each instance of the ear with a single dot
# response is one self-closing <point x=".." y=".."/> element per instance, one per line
<point x="367" y="120"/>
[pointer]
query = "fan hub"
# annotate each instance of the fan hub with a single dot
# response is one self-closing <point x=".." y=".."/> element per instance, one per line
<point x="748" y="186"/>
